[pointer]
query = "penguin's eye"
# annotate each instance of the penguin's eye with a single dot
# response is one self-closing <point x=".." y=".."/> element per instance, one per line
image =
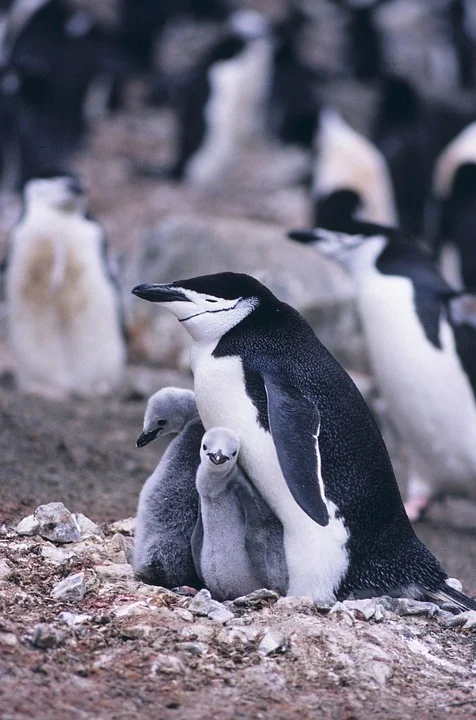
<point x="204" y="447"/>
<point x="210" y="300"/>
<point x="234" y="454"/>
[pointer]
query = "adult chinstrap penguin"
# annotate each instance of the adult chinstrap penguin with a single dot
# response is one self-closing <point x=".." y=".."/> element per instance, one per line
<point x="64" y="310"/>
<point x="237" y="543"/>
<point x="421" y="338"/>
<point x="308" y="441"/>
<point x="168" y="503"/>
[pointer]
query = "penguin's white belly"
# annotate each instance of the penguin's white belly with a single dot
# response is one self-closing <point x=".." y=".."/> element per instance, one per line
<point x="316" y="556"/>
<point x="428" y="395"/>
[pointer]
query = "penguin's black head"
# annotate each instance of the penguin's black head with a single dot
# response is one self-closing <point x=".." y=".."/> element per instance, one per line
<point x="337" y="210"/>
<point x="210" y="305"/>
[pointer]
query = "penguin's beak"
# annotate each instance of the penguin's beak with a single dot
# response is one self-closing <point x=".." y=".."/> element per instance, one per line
<point x="304" y="236"/>
<point x="218" y="458"/>
<point x="159" y="293"/>
<point x="146" y="437"/>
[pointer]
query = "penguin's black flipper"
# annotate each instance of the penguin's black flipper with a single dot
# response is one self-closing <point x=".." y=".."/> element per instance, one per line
<point x="446" y="593"/>
<point x="294" y="423"/>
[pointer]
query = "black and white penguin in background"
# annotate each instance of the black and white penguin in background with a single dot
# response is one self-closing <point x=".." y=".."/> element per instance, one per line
<point x="421" y="339"/>
<point x="308" y="441"/>
<point x="222" y="107"/>
<point x="451" y="212"/>
<point x="346" y="161"/>
<point x="64" y="315"/>
<point x="58" y="68"/>
<point x="410" y="131"/>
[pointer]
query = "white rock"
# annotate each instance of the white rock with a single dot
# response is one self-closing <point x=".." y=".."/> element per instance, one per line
<point x="184" y="614"/>
<point x="167" y="664"/>
<point x="272" y="641"/>
<point x="71" y="589"/>
<point x="8" y="639"/>
<point x="115" y="570"/>
<point x="5" y="569"/>
<point x="128" y="525"/>
<point x="140" y="607"/>
<point x="56" y="523"/>
<point x="70" y="618"/>
<point x="455" y="584"/>
<point x="27" y="526"/>
<point x="202" y="603"/>
<point x="87" y="527"/>
<point x="220" y="615"/>
<point x="466" y="620"/>
<point x="56" y="555"/>
<point x="194" y="648"/>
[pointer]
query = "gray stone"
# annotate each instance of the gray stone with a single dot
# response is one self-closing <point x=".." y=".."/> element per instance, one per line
<point x="56" y="555"/>
<point x="184" y="614"/>
<point x="194" y="648"/>
<point x="127" y="526"/>
<point x="167" y="664"/>
<point x="408" y="606"/>
<point x="220" y="615"/>
<point x="465" y="620"/>
<point x="8" y="639"/>
<point x="86" y="526"/>
<point x="71" y="589"/>
<point x="273" y="641"/>
<point x="115" y="570"/>
<point x="27" y="526"/>
<point x="56" y="523"/>
<point x="202" y="603"/>
<point x="70" y="618"/>
<point x="302" y="604"/>
<point x="5" y="569"/>
<point x="257" y="599"/>
<point x="45" y="636"/>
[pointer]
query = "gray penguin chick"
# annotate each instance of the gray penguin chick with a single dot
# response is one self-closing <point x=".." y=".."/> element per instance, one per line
<point x="168" y="503"/>
<point x="237" y="543"/>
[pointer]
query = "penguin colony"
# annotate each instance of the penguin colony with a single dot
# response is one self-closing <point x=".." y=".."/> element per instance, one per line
<point x="277" y="462"/>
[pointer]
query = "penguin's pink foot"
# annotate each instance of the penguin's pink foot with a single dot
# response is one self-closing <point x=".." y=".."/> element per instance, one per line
<point x="415" y="507"/>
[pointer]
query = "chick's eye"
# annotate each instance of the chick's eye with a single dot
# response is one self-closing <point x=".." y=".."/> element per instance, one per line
<point x="210" y="300"/>
<point x="234" y="454"/>
<point x="204" y="447"/>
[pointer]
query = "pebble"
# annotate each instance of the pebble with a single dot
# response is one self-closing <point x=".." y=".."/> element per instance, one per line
<point x="167" y="664"/>
<point x="273" y="641"/>
<point x="115" y="570"/>
<point x="220" y="615"/>
<point x="184" y="614"/>
<point x="70" y="618"/>
<point x="466" y="620"/>
<point x="86" y="526"/>
<point x="202" y="603"/>
<point x="141" y="607"/>
<point x="257" y="598"/>
<point x="8" y="639"/>
<point x="304" y="604"/>
<point x="194" y="648"/>
<point x="56" y="523"/>
<point x="45" y="636"/>
<point x="27" y="526"/>
<point x="71" y="589"/>
<point x="57" y="555"/>
<point x="127" y="526"/>
<point x="5" y="569"/>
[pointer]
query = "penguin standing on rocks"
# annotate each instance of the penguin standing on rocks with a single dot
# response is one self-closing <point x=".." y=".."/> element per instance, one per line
<point x="421" y="338"/>
<point x="238" y="542"/>
<point x="168" y="503"/>
<point x="64" y="315"/>
<point x="308" y="441"/>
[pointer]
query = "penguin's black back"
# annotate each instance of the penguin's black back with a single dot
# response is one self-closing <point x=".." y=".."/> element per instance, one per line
<point x="358" y="477"/>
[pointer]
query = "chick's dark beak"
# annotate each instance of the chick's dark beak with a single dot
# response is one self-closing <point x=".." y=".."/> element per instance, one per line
<point x="218" y="458"/>
<point x="146" y="437"/>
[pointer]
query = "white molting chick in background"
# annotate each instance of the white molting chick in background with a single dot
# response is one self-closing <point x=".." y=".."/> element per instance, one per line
<point x="64" y="318"/>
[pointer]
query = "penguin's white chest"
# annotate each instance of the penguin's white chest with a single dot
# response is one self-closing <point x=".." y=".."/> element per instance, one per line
<point x="316" y="556"/>
<point x="428" y="395"/>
